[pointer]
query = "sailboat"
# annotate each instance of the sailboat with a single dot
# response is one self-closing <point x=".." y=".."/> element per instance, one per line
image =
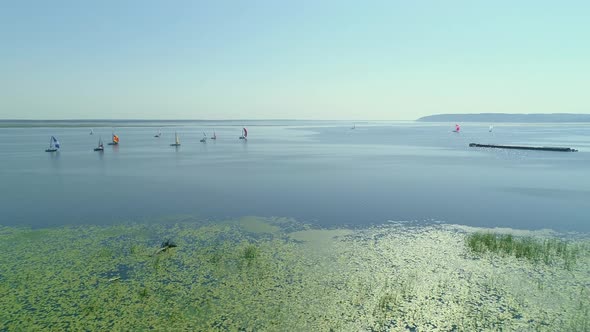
<point x="91" y="131"/>
<point x="491" y="128"/>
<point x="159" y="133"/>
<point x="115" y="140"/>
<point x="457" y="128"/>
<point x="100" y="146"/>
<point x="353" y="126"/>
<point x="204" y="139"/>
<point x="214" y="136"/>
<point x="244" y="134"/>
<point x="53" y="144"/>
<point x="176" y="140"/>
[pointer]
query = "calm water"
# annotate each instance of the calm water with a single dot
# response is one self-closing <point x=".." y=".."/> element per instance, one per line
<point x="320" y="172"/>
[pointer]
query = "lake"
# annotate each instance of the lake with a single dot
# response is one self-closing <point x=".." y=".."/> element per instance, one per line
<point x="319" y="172"/>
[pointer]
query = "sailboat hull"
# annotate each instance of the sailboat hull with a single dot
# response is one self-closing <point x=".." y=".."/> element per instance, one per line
<point x="98" y="149"/>
<point x="113" y="143"/>
<point x="51" y="150"/>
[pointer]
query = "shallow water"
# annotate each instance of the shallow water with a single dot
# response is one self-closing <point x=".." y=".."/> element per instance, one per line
<point x="322" y="172"/>
<point x="275" y="274"/>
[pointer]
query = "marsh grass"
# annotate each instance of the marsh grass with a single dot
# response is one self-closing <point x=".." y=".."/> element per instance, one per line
<point x="549" y="251"/>
<point x="387" y="302"/>
<point x="250" y="252"/>
<point x="104" y="253"/>
<point x="143" y="293"/>
<point x="229" y="279"/>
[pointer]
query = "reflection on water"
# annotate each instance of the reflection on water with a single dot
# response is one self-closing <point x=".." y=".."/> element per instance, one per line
<point x="54" y="158"/>
<point x="53" y="155"/>
<point x="203" y="147"/>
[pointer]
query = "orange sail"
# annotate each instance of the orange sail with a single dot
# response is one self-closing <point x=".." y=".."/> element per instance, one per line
<point x="115" y="138"/>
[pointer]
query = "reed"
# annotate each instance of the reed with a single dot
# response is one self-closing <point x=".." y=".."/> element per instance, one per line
<point x="250" y="253"/>
<point x="549" y="251"/>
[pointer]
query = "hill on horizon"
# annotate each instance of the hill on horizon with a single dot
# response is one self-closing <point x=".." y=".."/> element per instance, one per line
<point x="505" y="117"/>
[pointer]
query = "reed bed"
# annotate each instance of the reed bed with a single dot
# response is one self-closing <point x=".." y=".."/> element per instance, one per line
<point x="549" y="250"/>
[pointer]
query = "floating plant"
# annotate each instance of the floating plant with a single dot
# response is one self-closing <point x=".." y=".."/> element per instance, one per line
<point x="245" y="276"/>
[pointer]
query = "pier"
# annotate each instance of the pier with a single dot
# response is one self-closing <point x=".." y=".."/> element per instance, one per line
<point x="519" y="147"/>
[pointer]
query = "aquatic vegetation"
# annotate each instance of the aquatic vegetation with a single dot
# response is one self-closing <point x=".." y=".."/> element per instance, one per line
<point x="250" y="253"/>
<point x="295" y="278"/>
<point x="165" y="246"/>
<point x="143" y="293"/>
<point x="548" y="250"/>
<point x="258" y="225"/>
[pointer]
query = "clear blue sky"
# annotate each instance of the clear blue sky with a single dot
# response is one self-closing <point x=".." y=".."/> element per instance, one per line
<point x="304" y="59"/>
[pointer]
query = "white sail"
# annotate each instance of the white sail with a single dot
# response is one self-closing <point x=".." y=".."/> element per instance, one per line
<point x="100" y="146"/>
<point x="176" y="140"/>
<point x="53" y="144"/>
<point x="244" y="133"/>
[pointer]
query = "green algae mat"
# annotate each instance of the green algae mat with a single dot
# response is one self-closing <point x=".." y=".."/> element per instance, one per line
<point x="275" y="274"/>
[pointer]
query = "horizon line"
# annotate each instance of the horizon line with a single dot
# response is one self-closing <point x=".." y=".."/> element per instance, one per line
<point x="169" y="120"/>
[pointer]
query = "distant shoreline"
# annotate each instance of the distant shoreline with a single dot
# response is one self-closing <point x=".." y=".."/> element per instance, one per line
<point x="505" y="117"/>
<point x="97" y="123"/>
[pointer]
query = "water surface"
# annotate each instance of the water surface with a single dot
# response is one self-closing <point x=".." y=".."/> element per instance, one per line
<point x="323" y="172"/>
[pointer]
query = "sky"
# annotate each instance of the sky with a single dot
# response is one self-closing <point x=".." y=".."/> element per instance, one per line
<point x="304" y="59"/>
